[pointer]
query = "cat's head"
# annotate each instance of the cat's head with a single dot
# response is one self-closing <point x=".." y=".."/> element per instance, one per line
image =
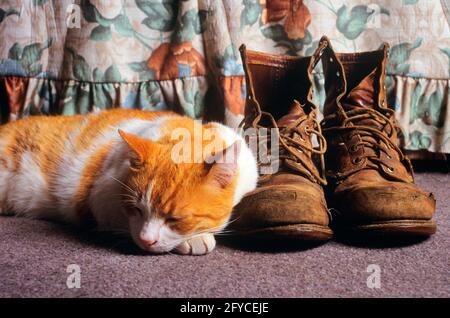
<point x="168" y="202"/>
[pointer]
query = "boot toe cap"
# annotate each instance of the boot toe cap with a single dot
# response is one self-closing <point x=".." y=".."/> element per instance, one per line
<point x="275" y="206"/>
<point x="385" y="203"/>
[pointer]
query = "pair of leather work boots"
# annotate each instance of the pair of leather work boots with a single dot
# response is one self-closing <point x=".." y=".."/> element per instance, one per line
<point x="352" y="155"/>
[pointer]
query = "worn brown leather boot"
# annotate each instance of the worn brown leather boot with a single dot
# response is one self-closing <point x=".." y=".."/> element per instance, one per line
<point x="370" y="179"/>
<point x="289" y="203"/>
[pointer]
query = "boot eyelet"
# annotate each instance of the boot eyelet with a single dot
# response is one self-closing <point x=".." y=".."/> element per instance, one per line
<point x="353" y="148"/>
<point x="357" y="160"/>
<point x="390" y="170"/>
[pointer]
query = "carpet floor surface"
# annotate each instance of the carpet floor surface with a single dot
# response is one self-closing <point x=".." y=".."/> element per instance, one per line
<point x="34" y="256"/>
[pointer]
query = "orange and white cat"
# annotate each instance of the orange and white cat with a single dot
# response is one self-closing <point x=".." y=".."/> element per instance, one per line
<point x="116" y="171"/>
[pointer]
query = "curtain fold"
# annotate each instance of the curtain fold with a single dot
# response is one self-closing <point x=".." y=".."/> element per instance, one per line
<point x="69" y="57"/>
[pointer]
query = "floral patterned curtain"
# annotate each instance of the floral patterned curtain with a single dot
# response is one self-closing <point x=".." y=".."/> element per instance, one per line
<point x="68" y="57"/>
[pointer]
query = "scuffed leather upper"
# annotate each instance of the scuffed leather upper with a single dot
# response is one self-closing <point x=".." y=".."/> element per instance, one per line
<point x="370" y="178"/>
<point x="279" y="94"/>
<point x="356" y="97"/>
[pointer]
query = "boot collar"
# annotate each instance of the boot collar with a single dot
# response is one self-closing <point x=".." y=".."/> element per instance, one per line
<point x="337" y="65"/>
<point x="253" y="107"/>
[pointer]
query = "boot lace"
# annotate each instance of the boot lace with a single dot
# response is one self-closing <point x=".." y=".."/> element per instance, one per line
<point x="376" y="139"/>
<point x="287" y="141"/>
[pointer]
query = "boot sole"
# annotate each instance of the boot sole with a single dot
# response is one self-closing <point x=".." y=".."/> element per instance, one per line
<point x="300" y="232"/>
<point x="398" y="228"/>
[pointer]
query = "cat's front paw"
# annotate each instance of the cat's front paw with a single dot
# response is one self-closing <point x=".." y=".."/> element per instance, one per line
<point x="198" y="245"/>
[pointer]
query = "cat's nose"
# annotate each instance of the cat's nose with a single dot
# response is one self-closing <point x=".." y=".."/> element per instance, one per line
<point x="147" y="242"/>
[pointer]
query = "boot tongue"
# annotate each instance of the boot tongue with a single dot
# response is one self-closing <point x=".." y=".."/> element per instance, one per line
<point x="294" y="113"/>
<point x="363" y="95"/>
<point x="306" y="164"/>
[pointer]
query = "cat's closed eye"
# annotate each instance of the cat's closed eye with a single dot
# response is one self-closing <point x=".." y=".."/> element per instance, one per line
<point x="173" y="218"/>
<point x="134" y="211"/>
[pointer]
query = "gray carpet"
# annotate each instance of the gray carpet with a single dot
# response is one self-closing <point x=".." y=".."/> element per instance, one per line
<point x="34" y="256"/>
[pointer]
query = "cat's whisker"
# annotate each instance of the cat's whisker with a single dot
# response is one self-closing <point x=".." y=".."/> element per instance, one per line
<point x="232" y="221"/>
<point x="125" y="195"/>
<point x="130" y="200"/>
<point x="170" y="253"/>
<point x="224" y="229"/>
<point x="127" y="187"/>
<point x="130" y="197"/>
<point x="224" y="232"/>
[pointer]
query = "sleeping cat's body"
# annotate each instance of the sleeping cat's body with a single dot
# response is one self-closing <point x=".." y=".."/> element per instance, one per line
<point x="116" y="170"/>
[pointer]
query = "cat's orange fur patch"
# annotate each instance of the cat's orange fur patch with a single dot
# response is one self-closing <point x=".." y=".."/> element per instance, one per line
<point x="43" y="137"/>
<point x="95" y="125"/>
<point x="185" y="190"/>
<point x="89" y="174"/>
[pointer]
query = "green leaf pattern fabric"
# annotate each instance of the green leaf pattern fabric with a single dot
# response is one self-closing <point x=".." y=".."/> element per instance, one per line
<point x="182" y="55"/>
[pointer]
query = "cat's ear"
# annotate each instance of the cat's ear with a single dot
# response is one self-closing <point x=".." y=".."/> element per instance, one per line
<point x="139" y="149"/>
<point x="223" y="166"/>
